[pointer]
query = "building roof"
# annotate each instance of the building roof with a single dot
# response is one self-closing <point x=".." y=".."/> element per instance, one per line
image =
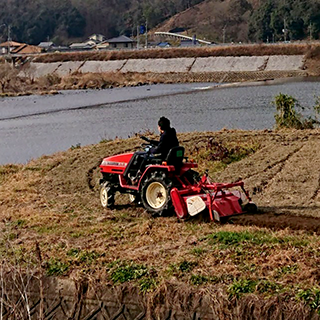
<point x="26" y="49"/>
<point x="81" y="45"/>
<point x="45" y="44"/>
<point x="163" y="44"/>
<point x="121" y="39"/>
<point x="11" y="44"/>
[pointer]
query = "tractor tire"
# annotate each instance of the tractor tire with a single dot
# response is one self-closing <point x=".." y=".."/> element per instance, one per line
<point x="250" y="207"/>
<point x="155" y="193"/>
<point x="107" y="192"/>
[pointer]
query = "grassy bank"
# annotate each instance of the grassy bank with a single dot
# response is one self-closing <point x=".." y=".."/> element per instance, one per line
<point x="52" y="204"/>
<point x="310" y="49"/>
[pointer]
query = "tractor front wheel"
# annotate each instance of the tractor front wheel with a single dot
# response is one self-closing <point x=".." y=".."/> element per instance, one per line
<point x="107" y="195"/>
<point x="250" y="207"/>
<point x="155" y="194"/>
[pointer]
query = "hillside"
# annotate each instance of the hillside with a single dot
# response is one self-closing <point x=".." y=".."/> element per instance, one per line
<point x="53" y="203"/>
<point x="64" y="22"/>
<point x="248" y="21"/>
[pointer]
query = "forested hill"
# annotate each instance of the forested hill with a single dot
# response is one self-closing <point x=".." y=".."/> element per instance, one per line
<point x="65" y="21"/>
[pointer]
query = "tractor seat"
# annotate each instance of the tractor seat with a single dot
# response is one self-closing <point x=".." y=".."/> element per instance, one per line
<point x="175" y="157"/>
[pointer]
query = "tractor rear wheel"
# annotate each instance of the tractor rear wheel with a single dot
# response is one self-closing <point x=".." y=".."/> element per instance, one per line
<point x="155" y="193"/>
<point x="107" y="192"/>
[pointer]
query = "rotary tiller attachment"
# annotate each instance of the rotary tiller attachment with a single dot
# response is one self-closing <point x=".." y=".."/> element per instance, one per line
<point x="220" y="199"/>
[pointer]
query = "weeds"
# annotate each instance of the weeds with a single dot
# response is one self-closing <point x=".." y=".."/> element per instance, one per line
<point x="147" y="284"/>
<point x="234" y="239"/>
<point x="223" y="154"/>
<point x="84" y="257"/>
<point x="182" y="268"/>
<point x="311" y="297"/>
<point x="197" y="279"/>
<point x="77" y="146"/>
<point x="123" y="271"/>
<point x="56" y="267"/>
<point x="198" y="251"/>
<point x="287" y="115"/>
<point x="227" y="238"/>
<point x="241" y="286"/>
<point x="289" y="269"/>
<point x="268" y="287"/>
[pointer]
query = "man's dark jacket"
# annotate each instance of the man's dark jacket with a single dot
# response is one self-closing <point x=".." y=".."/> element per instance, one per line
<point x="168" y="140"/>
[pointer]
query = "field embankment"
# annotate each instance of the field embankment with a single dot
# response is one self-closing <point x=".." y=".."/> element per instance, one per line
<point x="268" y="261"/>
<point x="82" y="70"/>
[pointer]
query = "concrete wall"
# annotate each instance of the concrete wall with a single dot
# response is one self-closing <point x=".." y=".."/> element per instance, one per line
<point x="174" y="65"/>
<point x="65" y="299"/>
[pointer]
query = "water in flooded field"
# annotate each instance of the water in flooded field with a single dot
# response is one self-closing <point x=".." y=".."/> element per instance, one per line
<point x="35" y="125"/>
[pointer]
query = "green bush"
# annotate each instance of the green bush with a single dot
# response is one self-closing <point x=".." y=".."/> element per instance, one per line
<point x="287" y="115"/>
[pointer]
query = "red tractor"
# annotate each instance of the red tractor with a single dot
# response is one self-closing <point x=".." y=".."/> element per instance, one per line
<point x="169" y="183"/>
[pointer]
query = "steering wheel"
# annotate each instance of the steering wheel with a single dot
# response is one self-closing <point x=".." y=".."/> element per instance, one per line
<point x="145" y="138"/>
<point x="153" y="143"/>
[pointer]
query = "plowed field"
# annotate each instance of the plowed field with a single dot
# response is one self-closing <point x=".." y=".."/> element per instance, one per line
<point x="54" y="202"/>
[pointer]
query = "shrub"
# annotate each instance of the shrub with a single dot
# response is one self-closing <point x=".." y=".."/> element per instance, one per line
<point x="287" y="115"/>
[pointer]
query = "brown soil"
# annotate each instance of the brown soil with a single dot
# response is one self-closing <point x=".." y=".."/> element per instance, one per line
<point x="275" y="221"/>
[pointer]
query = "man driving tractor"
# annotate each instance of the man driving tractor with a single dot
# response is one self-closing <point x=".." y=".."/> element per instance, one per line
<point x="168" y="140"/>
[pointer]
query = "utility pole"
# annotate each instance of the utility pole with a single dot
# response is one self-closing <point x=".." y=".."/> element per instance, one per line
<point x="146" y="44"/>
<point x="9" y="38"/>
<point x="285" y="29"/>
<point x="310" y="31"/>
<point x="137" y="36"/>
<point x="224" y="34"/>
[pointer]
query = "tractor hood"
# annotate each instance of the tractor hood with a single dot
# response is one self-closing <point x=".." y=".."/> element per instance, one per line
<point x="116" y="163"/>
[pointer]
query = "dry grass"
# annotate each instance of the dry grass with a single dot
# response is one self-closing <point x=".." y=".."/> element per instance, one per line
<point x="54" y="201"/>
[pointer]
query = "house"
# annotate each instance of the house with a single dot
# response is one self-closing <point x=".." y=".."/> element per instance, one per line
<point x="80" y="46"/>
<point x="121" y="42"/>
<point x="9" y="45"/>
<point x="26" y="49"/>
<point x="97" y="38"/>
<point x="164" y="45"/>
<point x="189" y="43"/>
<point x="46" y="46"/>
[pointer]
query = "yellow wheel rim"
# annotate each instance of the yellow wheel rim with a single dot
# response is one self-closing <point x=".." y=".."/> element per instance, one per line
<point x="156" y="195"/>
<point x="104" y="197"/>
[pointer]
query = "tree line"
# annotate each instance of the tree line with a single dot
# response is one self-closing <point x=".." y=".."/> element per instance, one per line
<point x="284" y="20"/>
<point x="65" y="21"/>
